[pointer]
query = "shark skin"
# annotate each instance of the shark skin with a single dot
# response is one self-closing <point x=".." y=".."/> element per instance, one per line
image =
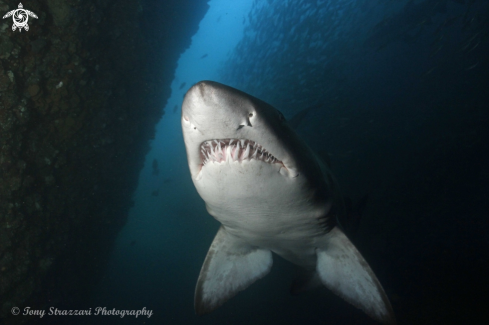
<point x="271" y="194"/>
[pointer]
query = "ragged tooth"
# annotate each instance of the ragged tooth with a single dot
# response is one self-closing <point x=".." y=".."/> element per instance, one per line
<point x="228" y="153"/>
<point x="231" y="142"/>
<point x="247" y="152"/>
<point x="236" y="152"/>
<point x="242" y="143"/>
<point x="253" y="156"/>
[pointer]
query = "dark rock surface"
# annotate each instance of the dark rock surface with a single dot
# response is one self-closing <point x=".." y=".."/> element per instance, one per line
<point x="80" y="95"/>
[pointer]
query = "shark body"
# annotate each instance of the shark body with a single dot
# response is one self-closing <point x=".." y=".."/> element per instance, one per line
<point x="270" y="193"/>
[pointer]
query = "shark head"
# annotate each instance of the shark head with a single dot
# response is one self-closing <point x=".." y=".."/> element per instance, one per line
<point x="243" y="156"/>
<point x="222" y="124"/>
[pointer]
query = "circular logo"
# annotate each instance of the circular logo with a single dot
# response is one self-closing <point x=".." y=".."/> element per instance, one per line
<point x="20" y="18"/>
<point x="15" y="310"/>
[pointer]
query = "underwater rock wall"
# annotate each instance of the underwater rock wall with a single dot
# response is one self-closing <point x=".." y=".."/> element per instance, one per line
<point x="80" y="94"/>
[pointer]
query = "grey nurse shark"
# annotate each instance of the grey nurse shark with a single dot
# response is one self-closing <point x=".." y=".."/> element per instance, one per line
<point x="270" y="193"/>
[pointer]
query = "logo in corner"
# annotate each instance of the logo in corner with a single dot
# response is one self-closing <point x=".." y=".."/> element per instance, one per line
<point x="20" y="17"/>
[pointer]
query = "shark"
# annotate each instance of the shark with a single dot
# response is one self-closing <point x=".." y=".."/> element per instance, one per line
<point x="272" y="195"/>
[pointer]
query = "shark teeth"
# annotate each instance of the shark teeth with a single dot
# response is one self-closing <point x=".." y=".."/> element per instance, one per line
<point x="234" y="150"/>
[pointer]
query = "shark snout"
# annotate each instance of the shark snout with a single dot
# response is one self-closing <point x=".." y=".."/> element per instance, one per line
<point x="203" y="89"/>
<point x="224" y="110"/>
<point x="199" y="100"/>
<point x="204" y="92"/>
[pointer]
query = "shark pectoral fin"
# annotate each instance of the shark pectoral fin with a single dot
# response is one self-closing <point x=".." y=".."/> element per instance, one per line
<point x="344" y="271"/>
<point x="229" y="267"/>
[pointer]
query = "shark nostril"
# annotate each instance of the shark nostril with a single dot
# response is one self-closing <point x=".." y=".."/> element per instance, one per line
<point x="241" y="126"/>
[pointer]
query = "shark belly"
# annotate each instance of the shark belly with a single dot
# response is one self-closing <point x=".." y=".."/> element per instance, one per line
<point x="283" y="215"/>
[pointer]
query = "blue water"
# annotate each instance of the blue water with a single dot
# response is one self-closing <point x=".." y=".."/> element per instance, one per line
<point x="399" y="90"/>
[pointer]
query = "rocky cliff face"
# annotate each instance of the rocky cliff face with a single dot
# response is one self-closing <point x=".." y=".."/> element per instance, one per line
<point x="80" y="94"/>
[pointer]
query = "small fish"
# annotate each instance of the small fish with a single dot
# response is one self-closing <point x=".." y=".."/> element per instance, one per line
<point x="474" y="47"/>
<point x="182" y="85"/>
<point x="469" y="41"/>
<point x="472" y="66"/>
<point x="436" y="50"/>
<point x="175" y="108"/>
<point x="428" y="72"/>
<point x="203" y="56"/>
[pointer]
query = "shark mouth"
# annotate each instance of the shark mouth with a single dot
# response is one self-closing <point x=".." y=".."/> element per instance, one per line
<point x="234" y="150"/>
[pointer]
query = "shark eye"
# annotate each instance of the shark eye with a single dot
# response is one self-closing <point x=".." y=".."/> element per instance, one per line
<point x="250" y="115"/>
